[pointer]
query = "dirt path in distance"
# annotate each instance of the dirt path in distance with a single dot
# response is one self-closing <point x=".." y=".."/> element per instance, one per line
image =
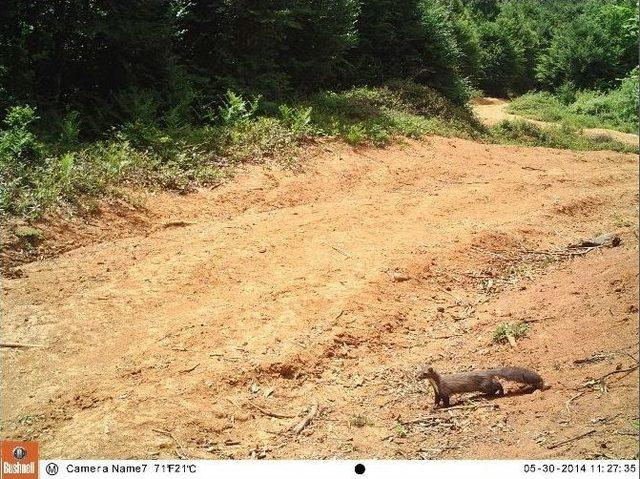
<point x="237" y="309"/>
<point x="493" y="110"/>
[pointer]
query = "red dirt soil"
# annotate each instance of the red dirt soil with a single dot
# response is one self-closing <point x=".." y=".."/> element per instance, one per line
<point x="334" y="284"/>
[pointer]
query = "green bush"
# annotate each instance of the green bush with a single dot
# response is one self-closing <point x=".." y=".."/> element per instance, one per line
<point x="257" y="139"/>
<point x="616" y="109"/>
<point x="236" y="110"/>
<point x="542" y="106"/>
<point x="22" y="158"/>
<point x="18" y="144"/>
<point x="514" y="330"/>
<point x="523" y="132"/>
<point x="297" y="119"/>
<point x="402" y="107"/>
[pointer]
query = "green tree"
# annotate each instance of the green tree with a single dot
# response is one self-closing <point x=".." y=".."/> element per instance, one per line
<point x="272" y="47"/>
<point x="520" y="23"/>
<point x="465" y="32"/>
<point x="94" y="57"/>
<point x="501" y="63"/>
<point x="407" y="39"/>
<point x="594" y="49"/>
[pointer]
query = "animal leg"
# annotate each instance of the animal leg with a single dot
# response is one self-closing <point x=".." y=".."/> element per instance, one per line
<point x="492" y="387"/>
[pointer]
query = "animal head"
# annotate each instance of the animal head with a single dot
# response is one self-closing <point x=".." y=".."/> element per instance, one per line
<point x="426" y="372"/>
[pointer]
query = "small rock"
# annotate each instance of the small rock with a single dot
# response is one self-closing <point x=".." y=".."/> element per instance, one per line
<point x="399" y="276"/>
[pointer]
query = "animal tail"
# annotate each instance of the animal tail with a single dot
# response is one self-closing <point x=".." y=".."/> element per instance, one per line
<point x="519" y="375"/>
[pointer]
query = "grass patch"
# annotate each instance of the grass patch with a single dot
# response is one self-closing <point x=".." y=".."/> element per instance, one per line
<point x="616" y="109"/>
<point x="28" y="236"/>
<point x="523" y="132"/>
<point x="515" y="330"/>
<point x="400" y="430"/>
<point x="377" y="115"/>
<point x="38" y="175"/>
<point x="359" y="421"/>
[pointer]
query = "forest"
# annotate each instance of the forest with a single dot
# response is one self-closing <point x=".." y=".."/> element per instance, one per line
<point x="96" y="94"/>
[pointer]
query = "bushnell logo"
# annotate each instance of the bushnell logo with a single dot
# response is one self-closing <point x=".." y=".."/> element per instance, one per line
<point x="18" y="459"/>
<point x="19" y="453"/>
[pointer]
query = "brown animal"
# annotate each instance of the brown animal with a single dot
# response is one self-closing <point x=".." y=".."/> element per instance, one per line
<point x="484" y="381"/>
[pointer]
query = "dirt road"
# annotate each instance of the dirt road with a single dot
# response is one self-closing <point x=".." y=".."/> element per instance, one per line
<point x="493" y="110"/>
<point x="214" y="332"/>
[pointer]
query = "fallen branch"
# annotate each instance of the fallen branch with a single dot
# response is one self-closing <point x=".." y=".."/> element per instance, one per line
<point x="573" y="398"/>
<point x="271" y="414"/>
<point x="619" y="371"/>
<point x="602" y="240"/>
<point x="594" y="358"/>
<point x="602" y="378"/>
<point x="307" y="419"/>
<point x="188" y="370"/>
<point x="452" y="408"/>
<point x="550" y="253"/>
<point x="448" y="336"/>
<point x="560" y="253"/>
<point x="177" y="224"/>
<point x="179" y="449"/>
<point x="338" y="250"/>
<point x="20" y="345"/>
<point x="424" y="419"/>
<point x="567" y="441"/>
<point x="470" y="406"/>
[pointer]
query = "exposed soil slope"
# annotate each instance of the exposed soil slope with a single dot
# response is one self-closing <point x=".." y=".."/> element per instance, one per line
<point x="333" y="284"/>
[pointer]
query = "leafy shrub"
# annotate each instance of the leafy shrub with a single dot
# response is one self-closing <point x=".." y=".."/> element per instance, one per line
<point x="28" y="236"/>
<point x="18" y="143"/>
<point x="254" y="140"/>
<point x="355" y="134"/>
<point x="542" y="106"/>
<point x="297" y="119"/>
<point x="566" y="93"/>
<point x="70" y="129"/>
<point x="22" y="157"/>
<point x="402" y="107"/>
<point x="616" y="109"/>
<point x="236" y="109"/>
<point x="515" y="330"/>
